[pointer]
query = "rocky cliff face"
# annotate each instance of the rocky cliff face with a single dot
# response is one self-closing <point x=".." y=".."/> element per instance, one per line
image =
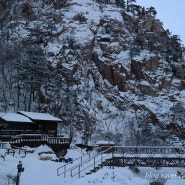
<point x="122" y="73"/>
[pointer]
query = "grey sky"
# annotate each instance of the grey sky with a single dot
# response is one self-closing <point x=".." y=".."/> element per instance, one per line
<point x="171" y="13"/>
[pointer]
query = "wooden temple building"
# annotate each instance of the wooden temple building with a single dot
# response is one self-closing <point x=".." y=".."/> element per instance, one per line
<point x="32" y="129"/>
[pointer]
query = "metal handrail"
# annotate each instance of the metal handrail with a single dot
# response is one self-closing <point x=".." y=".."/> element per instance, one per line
<point x="81" y="163"/>
<point x="93" y="164"/>
<point x="64" y="166"/>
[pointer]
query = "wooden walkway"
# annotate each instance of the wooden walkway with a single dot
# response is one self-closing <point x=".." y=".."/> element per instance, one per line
<point x="139" y="156"/>
<point x="148" y="156"/>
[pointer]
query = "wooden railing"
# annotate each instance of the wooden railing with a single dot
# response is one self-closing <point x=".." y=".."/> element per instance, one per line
<point x="16" y="150"/>
<point x="39" y="138"/>
<point x="58" y="140"/>
<point x="148" y="156"/>
<point x="149" y="151"/>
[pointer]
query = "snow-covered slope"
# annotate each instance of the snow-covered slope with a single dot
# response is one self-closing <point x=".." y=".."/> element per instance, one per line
<point x="44" y="172"/>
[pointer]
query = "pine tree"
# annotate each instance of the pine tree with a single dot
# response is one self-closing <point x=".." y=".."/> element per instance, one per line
<point x="151" y="11"/>
<point x="120" y="3"/>
<point x="130" y="2"/>
<point x="31" y="72"/>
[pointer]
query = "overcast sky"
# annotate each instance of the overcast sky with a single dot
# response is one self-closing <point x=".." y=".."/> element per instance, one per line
<point x="171" y="13"/>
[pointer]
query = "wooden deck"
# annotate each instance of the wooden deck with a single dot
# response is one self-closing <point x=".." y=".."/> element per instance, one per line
<point x="58" y="144"/>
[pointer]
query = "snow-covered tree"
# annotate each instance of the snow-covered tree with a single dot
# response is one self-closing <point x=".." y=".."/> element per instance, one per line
<point x="175" y="130"/>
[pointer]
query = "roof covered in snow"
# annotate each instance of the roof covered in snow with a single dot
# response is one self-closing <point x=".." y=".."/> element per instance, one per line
<point x="39" y="116"/>
<point x="13" y="117"/>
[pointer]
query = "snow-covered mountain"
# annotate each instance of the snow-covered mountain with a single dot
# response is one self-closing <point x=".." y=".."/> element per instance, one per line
<point x="109" y="70"/>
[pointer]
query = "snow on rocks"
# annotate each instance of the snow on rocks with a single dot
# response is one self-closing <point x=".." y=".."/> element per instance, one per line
<point x="43" y="149"/>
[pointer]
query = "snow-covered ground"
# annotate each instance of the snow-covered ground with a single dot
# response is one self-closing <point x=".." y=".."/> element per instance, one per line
<point x="44" y="172"/>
